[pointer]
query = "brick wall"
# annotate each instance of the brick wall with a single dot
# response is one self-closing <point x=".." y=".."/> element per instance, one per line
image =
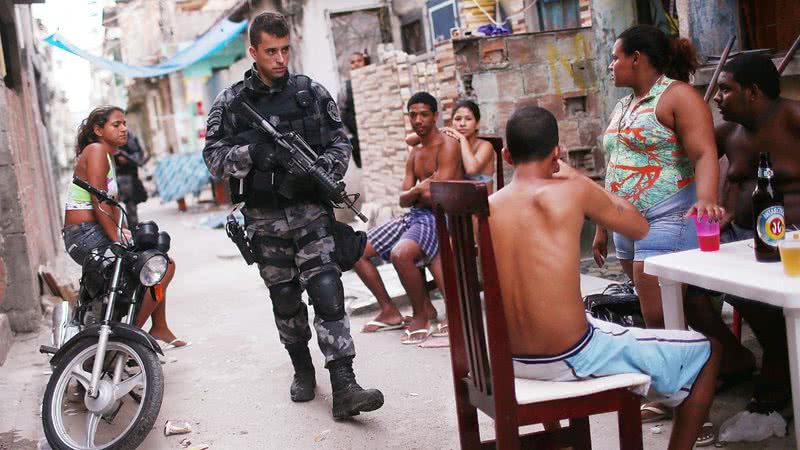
<point x="380" y="93"/>
<point x="553" y="70"/>
<point x="29" y="215"/>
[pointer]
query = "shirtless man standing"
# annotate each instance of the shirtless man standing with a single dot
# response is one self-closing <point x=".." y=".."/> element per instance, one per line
<point x="537" y="218"/>
<point x="409" y="241"/>
<point x="757" y="120"/>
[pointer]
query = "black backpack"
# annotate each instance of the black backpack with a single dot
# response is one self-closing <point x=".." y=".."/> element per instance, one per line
<point x="618" y="303"/>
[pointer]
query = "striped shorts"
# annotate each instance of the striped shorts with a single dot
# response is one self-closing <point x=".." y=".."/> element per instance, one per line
<point x="672" y="359"/>
<point x="418" y="225"/>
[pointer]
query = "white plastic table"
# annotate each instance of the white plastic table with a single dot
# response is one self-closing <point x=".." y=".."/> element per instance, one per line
<point x="732" y="270"/>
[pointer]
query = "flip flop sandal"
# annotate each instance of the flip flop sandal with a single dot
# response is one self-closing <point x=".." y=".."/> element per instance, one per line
<point x="442" y="330"/>
<point x="660" y="414"/>
<point x="171" y="345"/>
<point x="381" y="326"/>
<point x="707" y="436"/>
<point x="410" y="340"/>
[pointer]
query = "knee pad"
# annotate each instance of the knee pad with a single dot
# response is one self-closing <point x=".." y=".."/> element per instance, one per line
<point x="327" y="295"/>
<point x="286" y="300"/>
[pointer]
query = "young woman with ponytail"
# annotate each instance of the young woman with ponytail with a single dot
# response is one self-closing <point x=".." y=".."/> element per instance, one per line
<point x="663" y="159"/>
<point x="88" y="224"/>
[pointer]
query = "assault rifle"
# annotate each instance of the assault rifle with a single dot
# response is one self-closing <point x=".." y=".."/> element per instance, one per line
<point x="301" y="158"/>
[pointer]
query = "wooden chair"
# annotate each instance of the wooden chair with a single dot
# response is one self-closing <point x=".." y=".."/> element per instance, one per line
<point x="497" y="144"/>
<point x="483" y="374"/>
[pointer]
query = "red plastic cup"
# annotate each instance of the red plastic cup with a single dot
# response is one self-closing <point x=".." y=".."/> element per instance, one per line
<point x="707" y="233"/>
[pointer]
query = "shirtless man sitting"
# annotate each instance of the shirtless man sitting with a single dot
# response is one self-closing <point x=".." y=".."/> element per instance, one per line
<point x="410" y="241"/>
<point x="757" y="119"/>
<point x="547" y="200"/>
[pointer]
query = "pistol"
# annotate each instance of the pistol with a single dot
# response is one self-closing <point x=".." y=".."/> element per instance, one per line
<point x="236" y="233"/>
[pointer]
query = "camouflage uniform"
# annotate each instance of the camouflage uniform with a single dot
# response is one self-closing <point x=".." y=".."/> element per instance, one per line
<point x="274" y="231"/>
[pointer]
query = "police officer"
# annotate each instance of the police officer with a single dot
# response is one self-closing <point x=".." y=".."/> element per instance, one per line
<point x="287" y="219"/>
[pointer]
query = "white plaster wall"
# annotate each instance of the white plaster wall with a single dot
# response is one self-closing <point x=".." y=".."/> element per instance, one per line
<point x="317" y="55"/>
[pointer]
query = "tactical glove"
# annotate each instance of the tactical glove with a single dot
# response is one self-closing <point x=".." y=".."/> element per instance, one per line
<point x="264" y="156"/>
<point x="331" y="167"/>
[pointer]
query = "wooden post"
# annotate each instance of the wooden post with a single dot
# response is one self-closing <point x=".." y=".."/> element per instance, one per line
<point x="789" y="55"/>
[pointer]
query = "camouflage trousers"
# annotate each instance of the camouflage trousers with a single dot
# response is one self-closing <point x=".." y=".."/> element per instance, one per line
<point x="274" y="234"/>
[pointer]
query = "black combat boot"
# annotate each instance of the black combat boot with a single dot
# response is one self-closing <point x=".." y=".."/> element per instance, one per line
<point x="349" y="399"/>
<point x="303" y="384"/>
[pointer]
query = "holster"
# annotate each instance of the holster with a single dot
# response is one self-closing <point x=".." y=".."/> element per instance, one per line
<point x="236" y="233"/>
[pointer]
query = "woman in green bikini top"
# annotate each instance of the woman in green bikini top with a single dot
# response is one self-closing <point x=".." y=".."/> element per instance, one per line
<point x="99" y="137"/>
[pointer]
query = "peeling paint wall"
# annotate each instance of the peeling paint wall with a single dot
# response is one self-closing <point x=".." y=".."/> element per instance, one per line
<point x="711" y="24"/>
<point x="609" y="19"/>
<point x="553" y="70"/>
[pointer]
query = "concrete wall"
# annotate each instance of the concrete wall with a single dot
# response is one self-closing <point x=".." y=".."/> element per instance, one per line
<point x="711" y="24"/>
<point x="609" y="19"/>
<point x="553" y="70"/>
<point x="318" y="56"/>
<point x="29" y="219"/>
<point x="142" y="40"/>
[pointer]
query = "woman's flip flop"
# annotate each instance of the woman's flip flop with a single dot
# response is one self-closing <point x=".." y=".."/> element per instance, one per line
<point x="174" y="344"/>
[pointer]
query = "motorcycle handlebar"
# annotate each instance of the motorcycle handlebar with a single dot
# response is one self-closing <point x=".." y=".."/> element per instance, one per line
<point x="101" y="195"/>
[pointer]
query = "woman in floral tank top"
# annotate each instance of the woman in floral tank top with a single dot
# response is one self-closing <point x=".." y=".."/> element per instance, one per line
<point x="663" y="157"/>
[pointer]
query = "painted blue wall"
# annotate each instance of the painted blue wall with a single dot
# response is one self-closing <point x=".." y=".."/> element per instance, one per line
<point x="712" y="23"/>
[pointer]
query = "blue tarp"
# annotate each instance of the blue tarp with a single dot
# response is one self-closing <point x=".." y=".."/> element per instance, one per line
<point x="180" y="175"/>
<point x="208" y="44"/>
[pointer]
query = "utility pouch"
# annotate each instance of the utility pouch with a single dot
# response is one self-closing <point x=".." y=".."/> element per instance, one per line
<point x="350" y="245"/>
<point x="265" y="181"/>
<point x="236" y="233"/>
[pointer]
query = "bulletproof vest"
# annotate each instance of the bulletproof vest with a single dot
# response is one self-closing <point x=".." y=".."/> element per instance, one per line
<point x="293" y="109"/>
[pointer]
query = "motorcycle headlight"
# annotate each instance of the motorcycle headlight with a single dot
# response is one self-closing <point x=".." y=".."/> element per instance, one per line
<point x="151" y="266"/>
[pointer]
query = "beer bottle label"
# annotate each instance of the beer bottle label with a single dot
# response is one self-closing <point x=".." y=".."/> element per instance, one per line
<point x="765" y="172"/>
<point x="771" y="226"/>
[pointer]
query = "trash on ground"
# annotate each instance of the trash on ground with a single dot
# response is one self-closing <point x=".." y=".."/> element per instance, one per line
<point x="321" y="437"/>
<point x="752" y="427"/>
<point x="656" y="429"/>
<point x="177" y="427"/>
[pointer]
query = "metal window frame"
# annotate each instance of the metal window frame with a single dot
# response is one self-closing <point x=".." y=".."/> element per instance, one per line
<point x="428" y="13"/>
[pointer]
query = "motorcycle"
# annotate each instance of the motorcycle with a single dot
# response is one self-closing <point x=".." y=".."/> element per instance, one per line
<point x="107" y="385"/>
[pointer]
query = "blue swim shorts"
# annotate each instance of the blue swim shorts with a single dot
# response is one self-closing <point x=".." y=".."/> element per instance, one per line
<point x="672" y="359"/>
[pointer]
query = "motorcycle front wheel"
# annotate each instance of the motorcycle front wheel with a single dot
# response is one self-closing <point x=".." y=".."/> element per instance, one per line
<point x="127" y="402"/>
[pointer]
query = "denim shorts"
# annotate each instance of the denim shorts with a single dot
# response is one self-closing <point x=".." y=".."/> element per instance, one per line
<point x="669" y="231"/>
<point x="81" y="238"/>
